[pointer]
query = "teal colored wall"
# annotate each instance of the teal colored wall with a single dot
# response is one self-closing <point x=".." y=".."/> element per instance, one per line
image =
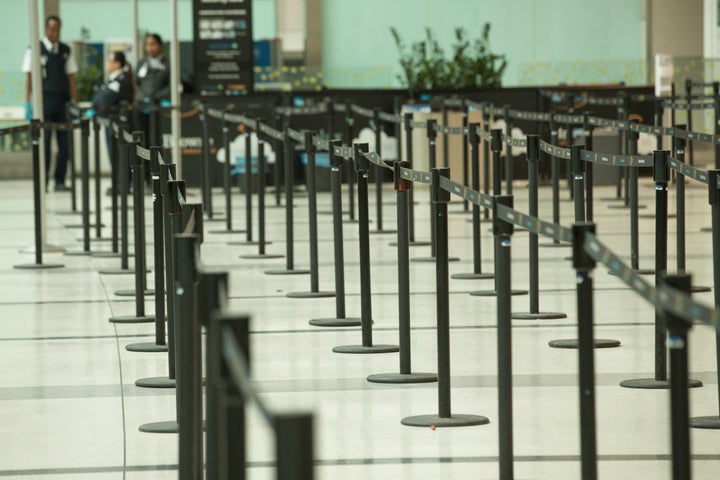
<point x="546" y="41"/>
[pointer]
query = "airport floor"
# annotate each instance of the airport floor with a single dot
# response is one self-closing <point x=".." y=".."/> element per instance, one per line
<point x="69" y="408"/>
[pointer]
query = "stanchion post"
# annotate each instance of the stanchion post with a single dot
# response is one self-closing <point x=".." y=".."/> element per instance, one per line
<point x="716" y="130"/>
<point x="444" y="417"/>
<point x="96" y="167"/>
<point x="690" y="146"/>
<point x="589" y="167"/>
<point x="508" y="152"/>
<point x="465" y="152"/>
<point x="584" y="266"/>
<point x="555" y="174"/>
<point x="248" y="182"/>
<point x="378" y="171"/>
<point x="432" y="162"/>
<point x="340" y="320"/>
<point x="349" y="136"/>
<point x="362" y="167"/>
<point x="85" y="162"/>
<point x="226" y="173"/>
<point x="279" y="122"/>
<point x="116" y="148"/>
<point x="486" y="156"/>
<point x="678" y="145"/>
<point x="205" y="175"/>
<point x="496" y="147"/>
<point x="577" y="168"/>
<point x="634" y="204"/>
<point x="677" y="342"/>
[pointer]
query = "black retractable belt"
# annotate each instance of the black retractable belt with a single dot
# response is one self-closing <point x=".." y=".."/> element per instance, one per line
<point x="444" y="417"/>
<point x="362" y="168"/>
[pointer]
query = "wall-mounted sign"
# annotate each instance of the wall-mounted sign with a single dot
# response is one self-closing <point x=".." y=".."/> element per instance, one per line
<point x="223" y="47"/>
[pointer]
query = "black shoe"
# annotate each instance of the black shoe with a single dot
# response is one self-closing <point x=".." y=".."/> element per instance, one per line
<point x="61" y="187"/>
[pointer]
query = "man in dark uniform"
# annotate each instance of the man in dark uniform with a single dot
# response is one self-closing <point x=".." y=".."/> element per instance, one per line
<point x="153" y="83"/>
<point x="58" y="83"/>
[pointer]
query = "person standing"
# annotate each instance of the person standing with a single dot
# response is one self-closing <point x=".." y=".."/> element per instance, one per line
<point x="58" y="68"/>
<point x="153" y="83"/>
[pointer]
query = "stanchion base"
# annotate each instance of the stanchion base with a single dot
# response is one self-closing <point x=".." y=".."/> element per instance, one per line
<point x="244" y="243"/>
<point x="414" y="243"/>
<point x="402" y="378"/>
<point x="81" y="253"/>
<point x="335" y="322"/>
<point x="106" y="254"/>
<point x="432" y="259"/>
<point x="286" y="272"/>
<point x="652" y="384"/>
<point x="639" y="271"/>
<point x="555" y="245"/>
<point x="706" y="229"/>
<point x="472" y="276"/>
<point x="434" y="421"/>
<point x="146" y="347"/>
<point x="350" y="221"/>
<point x="214" y="219"/>
<point x="572" y="343"/>
<point x="493" y="293"/>
<point x="625" y="207"/>
<point x="80" y="225"/>
<point x="310" y="294"/>
<point x="155" y="382"/>
<point x="712" y="422"/>
<point x="160" y="427"/>
<point x="611" y="199"/>
<point x="538" y="316"/>
<point x="261" y="256"/>
<point x="119" y="271"/>
<point x="652" y="215"/>
<point x="131" y="319"/>
<point x="380" y="232"/>
<point x="39" y="266"/>
<point x="363" y="349"/>
<point x="131" y="293"/>
<point x="228" y="231"/>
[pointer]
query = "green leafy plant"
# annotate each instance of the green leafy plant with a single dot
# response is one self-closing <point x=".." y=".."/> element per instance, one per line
<point x="471" y="64"/>
<point x="90" y="67"/>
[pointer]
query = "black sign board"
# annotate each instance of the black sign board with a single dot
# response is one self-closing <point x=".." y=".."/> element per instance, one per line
<point x="223" y="47"/>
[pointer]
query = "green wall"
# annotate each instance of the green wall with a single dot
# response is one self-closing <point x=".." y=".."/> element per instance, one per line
<point x="546" y="41"/>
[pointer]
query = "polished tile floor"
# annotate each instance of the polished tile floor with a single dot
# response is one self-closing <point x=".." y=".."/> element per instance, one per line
<point x="69" y="407"/>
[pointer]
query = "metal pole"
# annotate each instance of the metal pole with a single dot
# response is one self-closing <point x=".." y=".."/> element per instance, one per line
<point x="678" y="146"/>
<point x="690" y="146"/>
<point x="349" y="137"/>
<point x="248" y="184"/>
<point x="378" y="172"/>
<point x="508" y="152"/>
<point x="555" y="174"/>
<point x="578" y="174"/>
<point x="98" y="192"/>
<point x="294" y="446"/>
<point x="115" y="149"/>
<point x="486" y="158"/>
<point x="205" y="170"/>
<point x="227" y="183"/>
<point x="589" y="180"/>
<point x="175" y="85"/>
<point x="465" y="152"/>
<point x="85" y="159"/>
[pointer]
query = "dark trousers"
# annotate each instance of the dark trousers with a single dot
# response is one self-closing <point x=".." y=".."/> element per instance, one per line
<point x="54" y="111"/>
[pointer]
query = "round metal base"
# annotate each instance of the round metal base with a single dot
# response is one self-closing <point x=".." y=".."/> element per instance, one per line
<point x="81" y="253"/>
<point x="106" y="254"/>
<point x="493" y="293"/>
<point x="350" y="221"/>
<point x="472" y="276"/>
<point x="155" y="382"/>
<point x="310" y="294"/>
<point x="160" y="427"/>
<point x="611" y="199"/>
<point x="432" y="259"/>
<point x="131" y="293"/>
<point x="261" y="256"/>
<point x="402" y="378"/>
<point x="415" y="243"/>
<point x="101" y="239"/>
<point x="286" y="272"/>
<point x="652" y="384"/>
<point x="39" y="266"/>
<point x="131" y="319"/>
<point x="118" y="271"/>
<point x="706" y="229"/>
<point x="700" y="289"/>
<point x="243" y="243"/>
<point x="80" y="225"/>
<point x="227" y="231"/>
<point x="555" y="245"/>
<point x="335" y="322"/>
<point x="362" y="349"/>
<point x="625" y="207"/>
<point x="639" y="271"/>
<point x="381" y="232"/>
<point x="712" y="422"/>
<point x="652" y="215"/>
<point x="434" y="421"/>
<point x="146" y="347"/>
<point x="571" y="343"/>
<point x="67" y="212"/>
<point x="538" y="316"/>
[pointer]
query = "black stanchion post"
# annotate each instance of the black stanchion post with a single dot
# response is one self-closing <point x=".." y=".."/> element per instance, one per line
<point x="589" y="167"/>
<point x="486" y="157"/>
<point x="584" y="266"/>
<point x="159" y="174"/>
<point x="84" y="186"/>
<point x="406" y="375"/>
<point x="444" y="417"/>
<point x="445" y="136"/>
<point x="716" y="112"/>
<point x="533" y="156"/>
<point x="349" y="137"/>
<point x="678" y="145"/>
<point x="314" y="292"/>
<point x="70" y="126"/>
<point x="658" y="121"/>
<point x="362" y="166"/>
<point x="289" y="160"/>
<point x="477" y="273"/>
<point x="138" y="178"/>
<point x="116" y="148"/>
<point x="466" y="153"/>
<point x="37" y="206"/>
<point x="407" y="122"/>
<point x="677" y="341"/>
<point x="96" y="167"/>
<point x="227" y="180"/>
<point x="378" y="173"/>
<point x="340" y="320"/>
<point x="294" y="446"/>
<point x="279" y="153"/>
<point x="690" y="146"/>
<point x="261" y="203"/>
<point x="661" y="176"/>
<point x="248" y="182"/>
<point x="508" y="152"/>
<point x="206" y="180"/>
<point x="189" y="388"/>
<point x="623" y="117"/>
<point x="555" y="175"/>
<point x="713" y="421"/>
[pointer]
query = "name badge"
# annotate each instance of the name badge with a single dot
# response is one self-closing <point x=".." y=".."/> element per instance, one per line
<point x="143" y="71"/>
